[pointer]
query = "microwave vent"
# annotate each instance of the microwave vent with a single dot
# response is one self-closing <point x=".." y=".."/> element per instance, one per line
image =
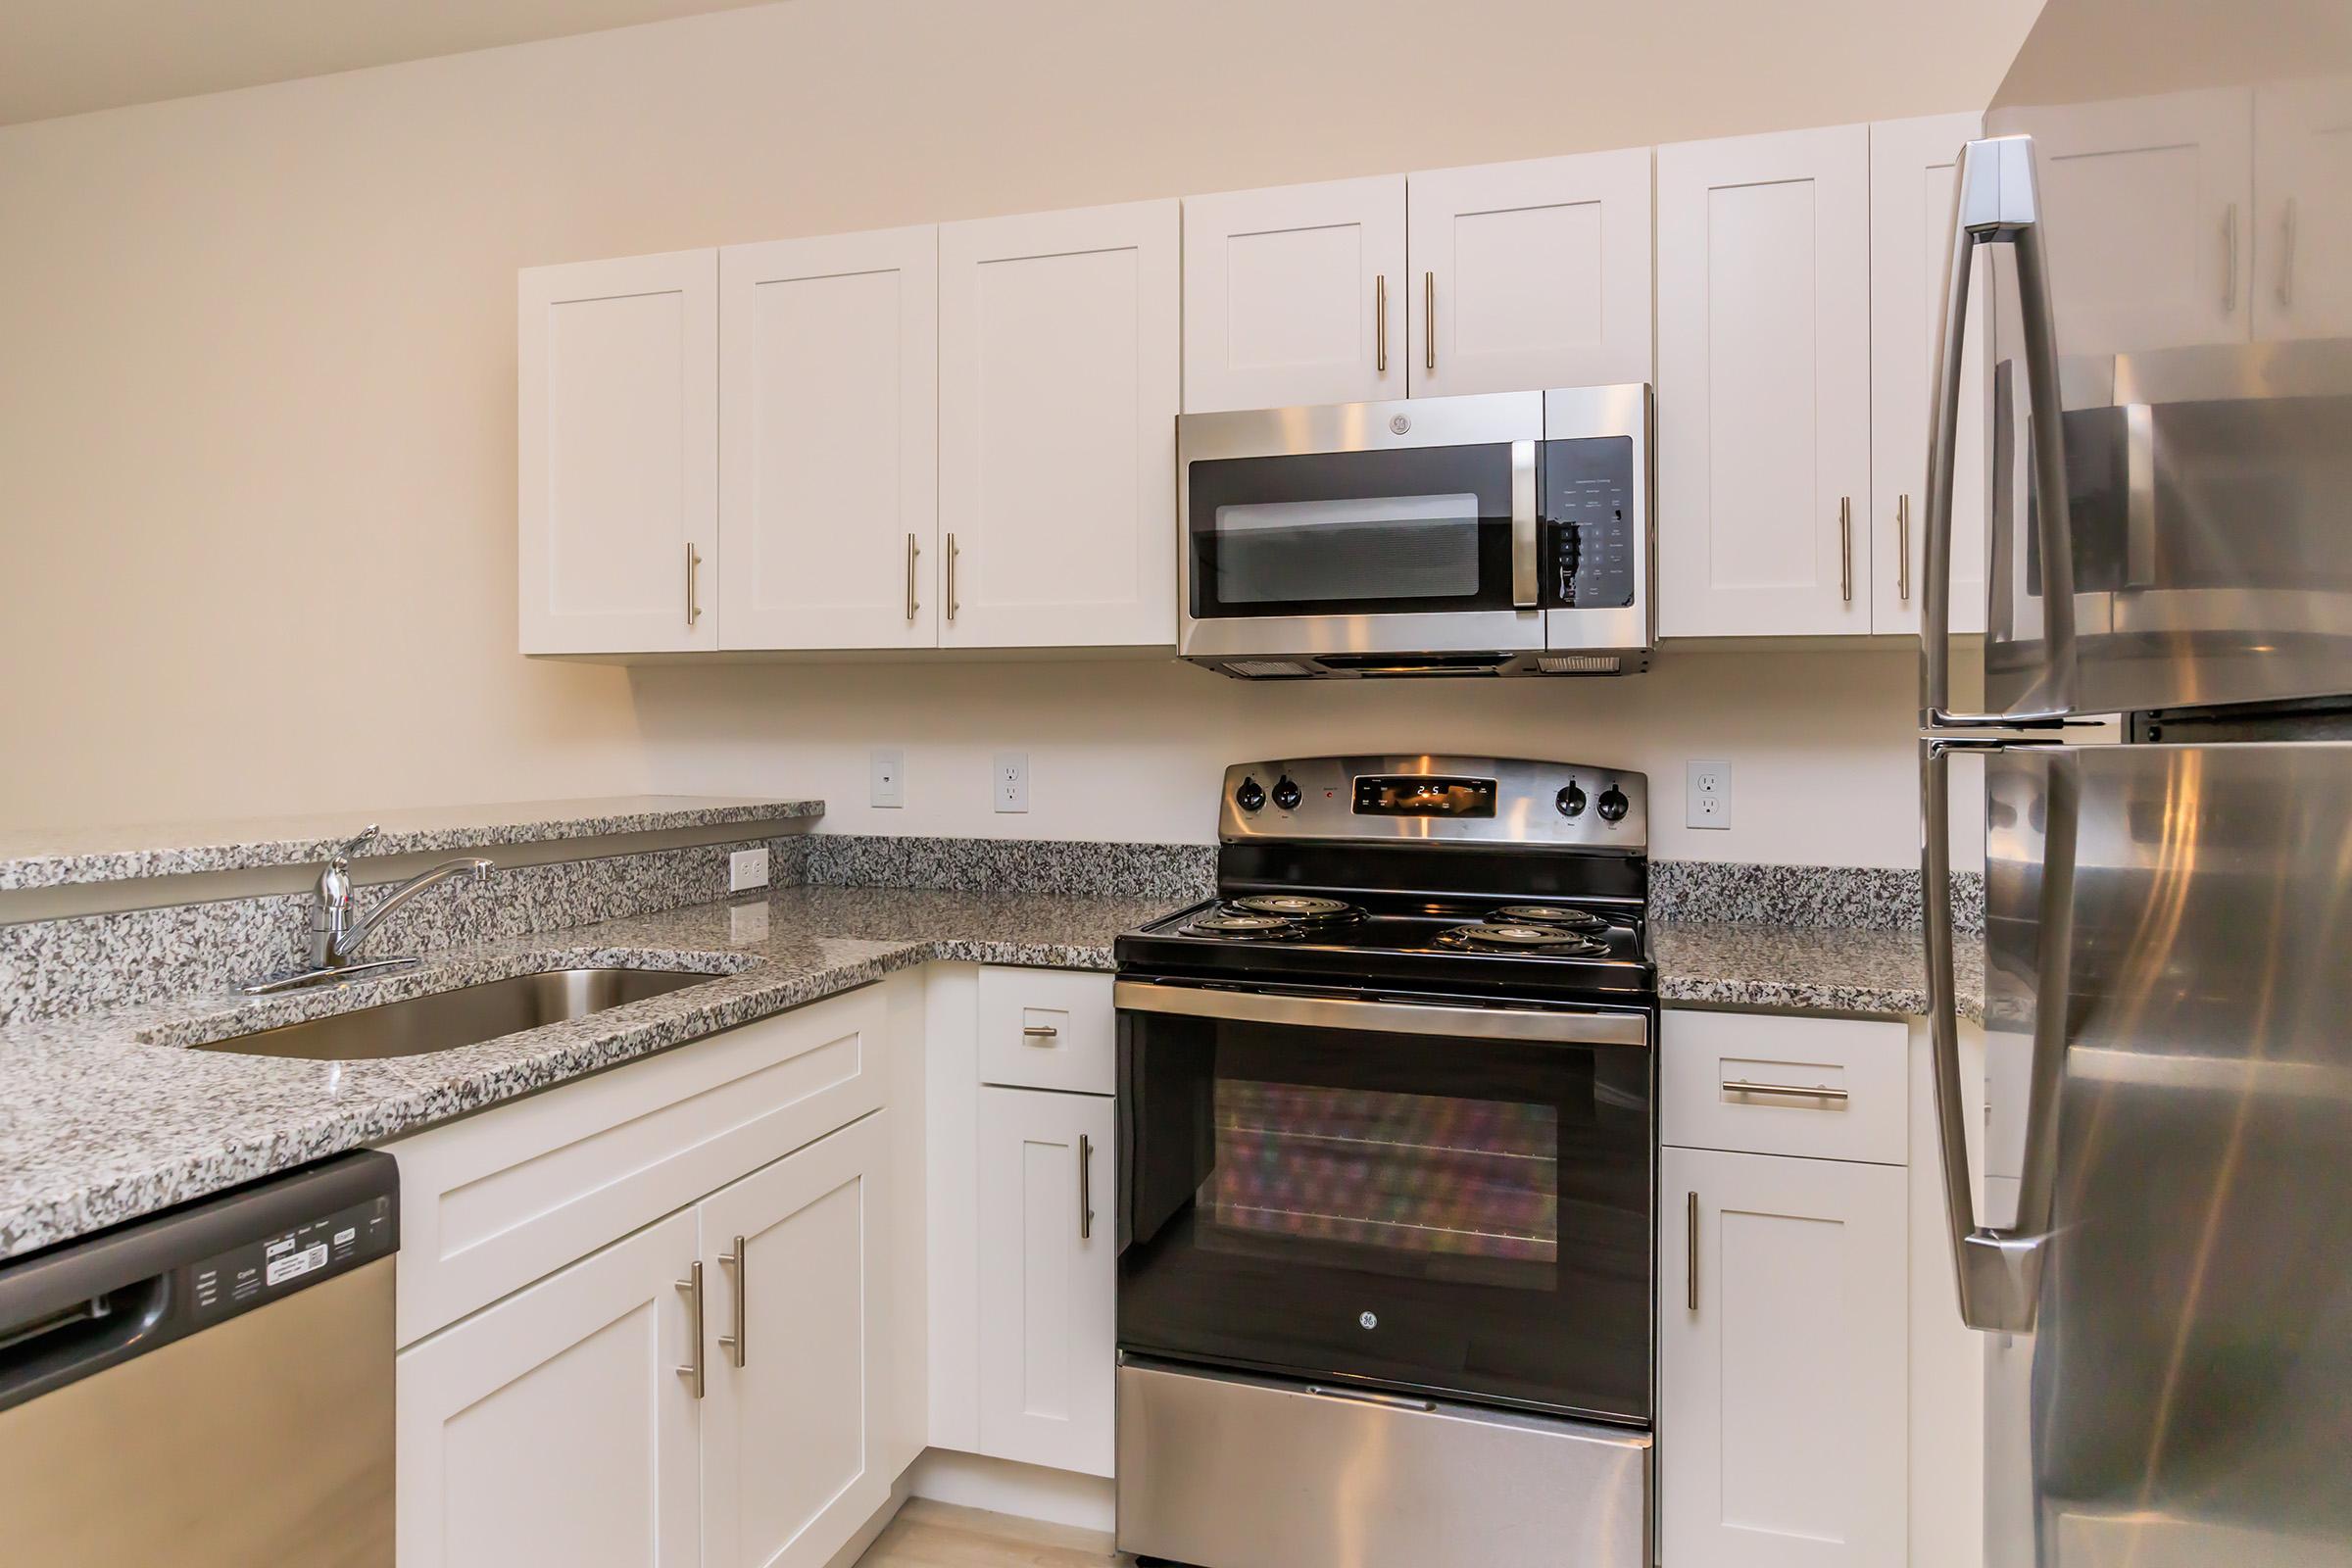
<point x="1264" y="668"/>
<point x="1578" y="663"/>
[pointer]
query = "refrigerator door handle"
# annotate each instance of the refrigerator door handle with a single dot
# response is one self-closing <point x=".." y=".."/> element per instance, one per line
<point x="1998" y="1271"/>
<point x="1996" y="201"/>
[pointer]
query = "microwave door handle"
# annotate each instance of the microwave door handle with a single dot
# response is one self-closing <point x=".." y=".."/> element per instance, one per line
<point x="1996" y="201"/>
<point x="1998" y="1272"/>
<point x="1526" y="570"/>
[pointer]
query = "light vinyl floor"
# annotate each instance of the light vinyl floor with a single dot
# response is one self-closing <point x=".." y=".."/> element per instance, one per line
<point x="939" y="1535"/>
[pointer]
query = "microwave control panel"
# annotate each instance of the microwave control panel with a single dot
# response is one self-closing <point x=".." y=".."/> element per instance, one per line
<point x="1589" y="509"/>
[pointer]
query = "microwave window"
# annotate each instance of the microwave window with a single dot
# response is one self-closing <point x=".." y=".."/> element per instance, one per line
<point x="1389" y="547"/>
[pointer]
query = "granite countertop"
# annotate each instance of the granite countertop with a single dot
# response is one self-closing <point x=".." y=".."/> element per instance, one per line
<point x="66" y="856"/>
<point x="107" y="1117"/>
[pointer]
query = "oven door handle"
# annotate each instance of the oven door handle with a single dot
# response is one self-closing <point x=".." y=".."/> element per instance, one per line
<point x="1550" y="1026"/>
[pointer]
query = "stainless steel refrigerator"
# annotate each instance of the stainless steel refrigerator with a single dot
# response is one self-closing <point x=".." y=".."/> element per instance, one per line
<point x="2158" y="1237"/>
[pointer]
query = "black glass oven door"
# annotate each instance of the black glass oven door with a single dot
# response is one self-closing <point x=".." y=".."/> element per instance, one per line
<point x="1413" y="1210"/>
<point x="1402" y="531"/>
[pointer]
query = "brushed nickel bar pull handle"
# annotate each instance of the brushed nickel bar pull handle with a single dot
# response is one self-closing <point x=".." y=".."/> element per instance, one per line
<point x="1690" y="1246"/>
<point x="1902" y="548"/>
<point x="1379" y="323"/>
<point x="1086" y="1188"/>
<point x="953" y="553"/>
<point x="2287" y="255"/>
<point x="2230" y="258"/>
<point x="694" y="569"/>
<point x="736" y="1341"/>
<point x="913" y="550"/>
<point x="1846" y="548"/>
<point x="1429" y="320"/>
<point x="1039" y="1031"/>
<point x="1791" y="1091"/>
<point x="692" y="1284"/>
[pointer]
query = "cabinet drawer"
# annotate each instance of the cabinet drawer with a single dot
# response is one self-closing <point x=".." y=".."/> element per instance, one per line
<point x="1820" y="1088"/>
<point x="1047" y="1029"/>
<point x="496" y="1200"/>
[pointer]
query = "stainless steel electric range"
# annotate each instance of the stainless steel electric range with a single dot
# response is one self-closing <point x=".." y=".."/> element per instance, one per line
<point x="1388" y="1132"/>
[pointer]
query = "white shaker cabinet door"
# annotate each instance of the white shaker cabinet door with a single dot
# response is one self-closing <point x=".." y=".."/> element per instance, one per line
<point x="1912" y="163"/>
<point x="554" y="1426"/>
<point x="2303" y="209"/>
<point x="828" y="493"/>
<point x="1764" y="385"/>
<point x="1047" y="1278"/>
<point x="1058" y="428"/>
<point x="1295" y="295"/>
<point x="2150" y="208"/>
<point x="617" y="452"/>
<point x="796" y="1275"/>
<point x="1782" y="1362"/>
<point x="1530" y="274"/>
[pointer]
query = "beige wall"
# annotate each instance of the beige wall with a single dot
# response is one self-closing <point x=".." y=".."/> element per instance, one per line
<point x="257" y="370"/>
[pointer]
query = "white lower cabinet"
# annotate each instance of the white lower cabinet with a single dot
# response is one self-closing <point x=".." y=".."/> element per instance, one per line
<point x="796" y="1273"/>
<point x="1047" y="1278"/>
<point x="553" y="1427"/>
<point x="1782" y="1362"/>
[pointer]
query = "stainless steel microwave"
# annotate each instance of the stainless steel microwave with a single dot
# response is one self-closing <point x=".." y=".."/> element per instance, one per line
<point x="1507" y="533"/>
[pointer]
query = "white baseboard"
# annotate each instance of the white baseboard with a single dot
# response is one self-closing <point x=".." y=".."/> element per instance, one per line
<point x="1024" y="1490"/>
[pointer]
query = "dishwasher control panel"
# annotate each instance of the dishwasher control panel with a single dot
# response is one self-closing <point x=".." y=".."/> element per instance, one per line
<point x="304" y="1252"/>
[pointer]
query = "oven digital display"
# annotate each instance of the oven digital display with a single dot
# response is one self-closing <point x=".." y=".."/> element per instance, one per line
<point x="1424" y="795"/>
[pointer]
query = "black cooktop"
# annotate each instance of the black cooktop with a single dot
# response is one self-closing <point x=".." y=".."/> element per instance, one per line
<point x="1552" y="948"/>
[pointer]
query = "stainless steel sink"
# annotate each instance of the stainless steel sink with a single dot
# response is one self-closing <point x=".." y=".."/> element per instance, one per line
<point x="447" y="1019"/>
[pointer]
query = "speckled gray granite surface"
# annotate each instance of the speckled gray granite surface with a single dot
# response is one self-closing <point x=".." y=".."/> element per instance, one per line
<point x="49" y="968"/>
<point x="1180" y="873"/>
<point x="108" y="1116"/>
<point x="45" y="858"/>
<point x="1854" y="897"/>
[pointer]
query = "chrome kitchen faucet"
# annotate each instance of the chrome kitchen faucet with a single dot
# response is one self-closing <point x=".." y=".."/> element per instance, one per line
<point x="337" y="932"/>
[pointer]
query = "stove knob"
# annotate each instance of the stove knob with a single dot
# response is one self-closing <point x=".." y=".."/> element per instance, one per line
<point x="1570" y="801"/>
<point x="1251" y="796"/>
<point x="1614" y="805"/>
<point x="1286" y="793"/>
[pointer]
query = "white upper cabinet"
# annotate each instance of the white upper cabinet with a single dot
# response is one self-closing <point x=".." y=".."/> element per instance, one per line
<point x="1529" y="275"/>
<point x="2151" y="219"/>
<point x="1764" y="385"/>
<point x="1295" y="295"/>
<point x="828" y="489"/>
<point x="617" y="455"/>
<point x="2303" y="201"/>
<point x="1058" y="400"/>
<point x="1911" y="172"/>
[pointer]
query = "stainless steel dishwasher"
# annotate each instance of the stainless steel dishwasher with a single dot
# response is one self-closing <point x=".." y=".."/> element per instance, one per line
<point x="211" y="1386"/>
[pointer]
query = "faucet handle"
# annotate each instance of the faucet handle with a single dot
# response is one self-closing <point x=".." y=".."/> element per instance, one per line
<point x="342" y="856"/>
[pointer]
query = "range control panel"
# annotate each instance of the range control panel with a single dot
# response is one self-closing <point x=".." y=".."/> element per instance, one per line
<point x="1589" y="508"/>
<point x="304" y="1252"/>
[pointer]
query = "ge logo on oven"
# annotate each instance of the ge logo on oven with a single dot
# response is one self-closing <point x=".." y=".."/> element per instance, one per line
<point x="1368" y="1320"/>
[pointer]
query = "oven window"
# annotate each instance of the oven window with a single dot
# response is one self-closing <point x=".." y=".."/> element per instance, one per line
<point x="1465" y="1217"/>
<point x="1333" y="533"/>
<point x="1425" y="1185"/>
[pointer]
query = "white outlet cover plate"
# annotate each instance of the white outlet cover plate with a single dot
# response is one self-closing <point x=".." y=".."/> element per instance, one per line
<point x="887" y="768"/>
<point x="747" y="868"/>
<point x="1009" y="781"/>
<point x="1707" y="795"/>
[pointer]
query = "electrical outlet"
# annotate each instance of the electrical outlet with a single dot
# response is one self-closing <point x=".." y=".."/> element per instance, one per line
<point x="1010" y="781"/>
<point x="888" y="769"/>
<point x="1707" y="795"/>
<point x="747" y="868"/>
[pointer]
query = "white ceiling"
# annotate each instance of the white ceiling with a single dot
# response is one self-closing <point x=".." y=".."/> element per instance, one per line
<point x="66" y="57"/>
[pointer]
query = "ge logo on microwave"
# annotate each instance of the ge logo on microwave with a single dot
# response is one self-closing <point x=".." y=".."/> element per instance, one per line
<point x="1397" y="424"/>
